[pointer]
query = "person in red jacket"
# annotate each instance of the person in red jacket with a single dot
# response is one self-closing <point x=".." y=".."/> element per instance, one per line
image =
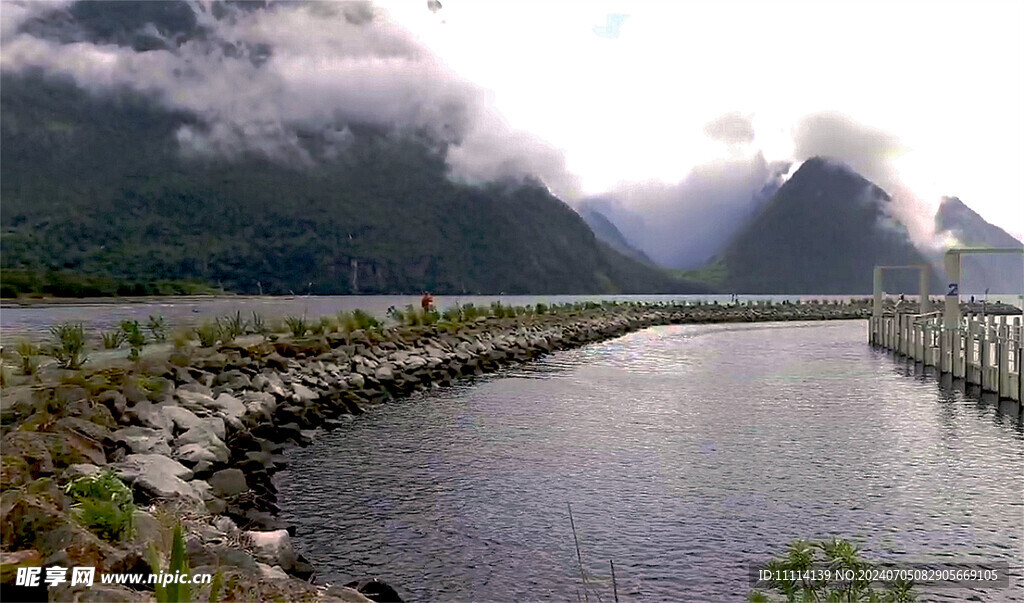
<point x="427" y="302"/>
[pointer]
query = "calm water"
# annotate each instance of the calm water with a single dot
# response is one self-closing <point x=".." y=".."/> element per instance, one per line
<point x="687" y="452"/>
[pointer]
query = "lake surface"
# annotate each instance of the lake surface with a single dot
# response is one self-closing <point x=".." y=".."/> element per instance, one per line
<point x="687" y="452"/>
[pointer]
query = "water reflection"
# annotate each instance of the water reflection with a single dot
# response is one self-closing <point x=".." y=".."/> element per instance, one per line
<point x="688" y="452"/>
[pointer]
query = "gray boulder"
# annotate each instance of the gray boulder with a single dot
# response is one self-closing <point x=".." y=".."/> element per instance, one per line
<point x="198" y="402"/>
<point x="143" y="440"/>
<point x="207" y="437"/>
<point x="229" y="407"/>
<point x="194" y="454"/>
<point x="303" y="394"/>
<point x="157" y="476"/>
<point x="272" y="548"/>
<point x="228" y="482"/>
<point x="260" y="404"/>
<point x="182" y="418"/>
<point x="150" y="415"/>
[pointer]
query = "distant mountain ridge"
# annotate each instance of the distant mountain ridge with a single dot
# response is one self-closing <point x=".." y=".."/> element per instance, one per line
<point x="607" y="232"/>
<point x="998" y="273"/>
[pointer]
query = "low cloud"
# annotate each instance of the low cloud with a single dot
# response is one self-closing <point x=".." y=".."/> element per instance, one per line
<point x="731" y="128"/>
<point x="871" y="153"/>
<point x="257" y="76"/>
<point x="684" y="225"/>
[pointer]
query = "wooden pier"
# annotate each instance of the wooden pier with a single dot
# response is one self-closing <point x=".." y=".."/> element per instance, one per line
<point x="984" y="350"/>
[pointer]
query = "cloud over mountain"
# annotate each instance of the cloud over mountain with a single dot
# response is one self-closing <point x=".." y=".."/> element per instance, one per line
<point x="262" y="76"/>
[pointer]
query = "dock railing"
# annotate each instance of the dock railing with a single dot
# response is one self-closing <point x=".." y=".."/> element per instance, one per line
<point x="984" y="350"/>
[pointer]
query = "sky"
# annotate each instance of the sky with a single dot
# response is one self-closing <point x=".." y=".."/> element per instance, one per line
<point x="629" y="91"/>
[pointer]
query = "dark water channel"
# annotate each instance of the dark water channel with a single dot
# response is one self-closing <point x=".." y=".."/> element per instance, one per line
<point x="687" y="452"/>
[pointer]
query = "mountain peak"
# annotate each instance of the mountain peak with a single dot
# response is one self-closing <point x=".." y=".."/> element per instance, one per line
<point x="824" y="231"/>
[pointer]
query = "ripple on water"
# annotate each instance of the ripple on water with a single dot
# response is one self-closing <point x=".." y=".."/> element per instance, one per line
<point x="687" y="452"/>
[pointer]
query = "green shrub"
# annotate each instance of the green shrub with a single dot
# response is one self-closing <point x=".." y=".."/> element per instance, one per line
<point x="792" y="577"/>
<point x="133" y="335"/>
<point x="180" y="337"/>
<point x="104" y="504"/>
<point x="364" y="320"/>
<point x="68" y="347"/>
<point x="346" y="322"/>
<point x="297" y="325"/>
<point x="157" y="326"/>
<point x="28" y="354"/>
<point x="471" y="312"/>
<point x="231" y="326"/>
<point x="453" y="314"/>
<point x="208" y="333"/>
<point x="112" y="339"/>
<point x="396" y="314"/>
<point x="257" y="325"/>
<point x="324" y="325"/>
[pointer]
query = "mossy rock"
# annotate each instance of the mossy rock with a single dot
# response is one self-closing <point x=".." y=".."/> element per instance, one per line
<point x="31" y="446"/>
<point x="14" y="472"/>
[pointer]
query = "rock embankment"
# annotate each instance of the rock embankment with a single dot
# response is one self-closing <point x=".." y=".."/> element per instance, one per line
<point x="199" y="435"/>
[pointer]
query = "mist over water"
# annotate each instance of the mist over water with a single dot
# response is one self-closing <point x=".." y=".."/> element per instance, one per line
<point x="688" y="453"/>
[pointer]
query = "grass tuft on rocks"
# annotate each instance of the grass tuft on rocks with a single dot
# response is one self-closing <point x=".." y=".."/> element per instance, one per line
<point x="104" y="504"/>
<point x="68" y="346"/>
<point x="157" y="325"/>
<point x="208" y="333"/>
<point x="28" y="356"/>
<point x="297" y="325"/>
<point x="133" y="335"/>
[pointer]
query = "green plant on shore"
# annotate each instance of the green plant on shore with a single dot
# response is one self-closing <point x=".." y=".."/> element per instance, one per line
<point x="217" y="586"/>
<point x="232" y="326"/>
<point x="410" y="317"/>
<point x="112" y="339"/>
<point x="157" y="326"/>
<point x="499" y="310"/>
<point x="540" y="309"/>
<point x="799" y="575"/>
<point x="346" y="322"/>
<point x="180" y="337"/>
<point x="364" y="320"/>
<point x="258" y="326"/>
<point x="452" y="314"/>
<point x="324" y="325"/>
<point x="395" y="313"/>
<point x="297" y="325"/>
<point x="133" y="335"/>
<point x="429" y="317"/>
<point x="174" y="592"/>
<point x="28" y="355"/>
<point x="68" y="346"/>
<point x="472" y="312"/>
<point x="104" y="504"/>
<point x="208" y="333"/>
<point x="5" y="376"/>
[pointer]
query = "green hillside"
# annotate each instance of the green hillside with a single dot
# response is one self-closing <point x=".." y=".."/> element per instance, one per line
<point x="96" y="186"/>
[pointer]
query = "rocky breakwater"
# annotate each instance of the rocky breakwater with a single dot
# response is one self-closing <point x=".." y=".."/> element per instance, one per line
<point x="198" y="434"/>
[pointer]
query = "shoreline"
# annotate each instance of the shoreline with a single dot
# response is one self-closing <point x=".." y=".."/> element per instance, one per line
<point x="199" y="435"/>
